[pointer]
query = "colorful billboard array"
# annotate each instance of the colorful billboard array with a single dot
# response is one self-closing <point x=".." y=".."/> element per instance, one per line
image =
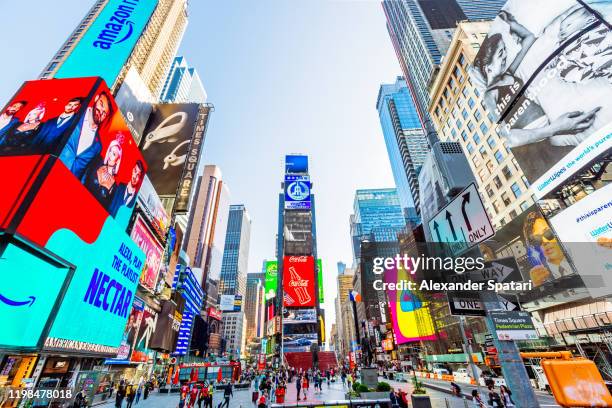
<point x="409" y="314"/>
<point x="109" y="41"/>
<point x="534" y="56"/>
<point x="76" y="172"/>
<point x="297" y="192"/>
<point x="152" y="208"/>
<point x="298" y="281"/>
<point x="147" y="242"/>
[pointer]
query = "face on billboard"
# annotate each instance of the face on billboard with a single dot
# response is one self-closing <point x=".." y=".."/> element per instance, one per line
<point x="536" y="54"/>
<point x="410" y="316"/>
<point x="298" y="281"/>
<point x="27" y="304"/>
<point x="109" y="41"/>
<point x="145" y="240"/>
<point x="166" y="142"/>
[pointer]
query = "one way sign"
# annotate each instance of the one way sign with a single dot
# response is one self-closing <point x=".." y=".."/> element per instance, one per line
<point x="499" y="270"/>
<point x="468" y="303"/>
<point x="463" y="223"/>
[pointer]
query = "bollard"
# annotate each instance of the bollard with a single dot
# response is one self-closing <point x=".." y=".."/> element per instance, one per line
<point x="447" y="405"/>
<point x="465" y="404"/>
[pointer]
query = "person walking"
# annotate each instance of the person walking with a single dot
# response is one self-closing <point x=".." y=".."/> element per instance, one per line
<point x="228" y="393"/>
<point x="343" y="377"/>
<point x="130" y="394"/>
<point x="506" y="396"/>
<point x="305" y="385"/>
<point x="298" y="386"/>
<point x="120" y="394"/>
<point x="203" y="395"/>
<point x="208" y="402"/>
<point x="349" y="380"/>
<point x="477" y="400"/>
<point x="138" y="393"/>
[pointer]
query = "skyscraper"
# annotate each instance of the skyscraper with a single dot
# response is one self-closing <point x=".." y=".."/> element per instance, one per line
<point x="205" y="236"/>
<point x="183" y="84"/>
<point x="377" y="216"/>
<point x="153" y="53"/>
<point x="236" y="252"/>
<point x="254" y="305"/>
<point x="404" y="138"/>
<point x="421" y="31"/>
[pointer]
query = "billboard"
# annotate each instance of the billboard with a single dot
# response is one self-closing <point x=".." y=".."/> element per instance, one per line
<point x="513" y="325"/>
<point x="167" y="327"/>
<point x="27" y="303"/>
<point x="226" y="303"/>
<point x="536" y="54"/>
<point x="298" y="281"/>
<point x="152" y="208"/>
<point x="301" y="316"/>
<point x="106" y="45"/>
<point x="166" y="144"/>
<point x="134" y="99"/>
<point x="271" y="282"/>
<point x="297" y="192"/>
<point x="586" y="230"/>
<point x="296" y="163"/>
<point x="237" y="303"/>
<point x="145" y="240"/>
<point x="320" y="281"/>
<point x="141" y="351"/>
<point x="409" y="314"/>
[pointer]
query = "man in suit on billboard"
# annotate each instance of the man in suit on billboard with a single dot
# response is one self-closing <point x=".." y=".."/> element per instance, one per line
<point x="51" y="131"/>
<point x="8" y="119"/>
<point x="84" y="144"/>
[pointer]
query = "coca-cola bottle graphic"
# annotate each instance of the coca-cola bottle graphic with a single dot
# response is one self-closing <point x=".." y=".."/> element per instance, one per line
<point x="300" y="286"/>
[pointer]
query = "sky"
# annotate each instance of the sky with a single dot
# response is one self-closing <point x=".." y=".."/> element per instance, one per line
<point x="299" y="76"/>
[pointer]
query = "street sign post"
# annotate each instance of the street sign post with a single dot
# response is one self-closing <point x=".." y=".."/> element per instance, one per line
<point x="513" y="325"/>
<point x="463" y="223"/>
<point x="469" y="303"/>
<point x="498" y="270"/>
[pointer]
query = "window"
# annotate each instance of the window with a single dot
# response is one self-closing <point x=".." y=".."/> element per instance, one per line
<point x="524" y="205"/>
<point x="477" y="115"/>
<point x="455" y="113"/>
<point x="469" y="147"/>
<point x="490" y="116"/>
<point x="499" y="156"/>
<point x="452" y="84"/>
<point x="446" y="93"/>
<point x="476" y="161"/>
<point x="484" y="128"/>
<point x="483" y="152"/>
<point x="490" y="191"/>
<point x="465" y="92"/>
<point x="525" y="181"/>
<point x="476" y="91"/>
<point x="496" y="205"/>
<point x="491" y="142"/>
<point x="502" y="221"/>
<point x="497" y="182"/>
<point x="449" y="123"/>
<point x="490" y="165"/>
<point x="464" y="135"/>
<point x="471" y="103"/>
<point x="437" y="111"/>
<point x="458" y="123"/>
<point x="516" y="190"/>
<point x="457" y="72"/>
<point x="453" y="134"/>
<point x="476" y="138"/>
<point x="506" y="172"/>
<point x="482" y="174"/>
<point x="505" y="198"/>
<point x="464" y="114"/>
<point x="462" y="59"/>
<point x="513" y="214"/>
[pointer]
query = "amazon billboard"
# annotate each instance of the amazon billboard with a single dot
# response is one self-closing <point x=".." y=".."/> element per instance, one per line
<point x="75" y="174"/>
<point x="107" y="44"/>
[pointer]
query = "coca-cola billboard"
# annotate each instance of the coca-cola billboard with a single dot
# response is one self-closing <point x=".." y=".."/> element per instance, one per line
<point x="298" y="281"/>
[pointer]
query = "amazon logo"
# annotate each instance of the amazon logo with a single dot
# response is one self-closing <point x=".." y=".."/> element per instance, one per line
<point x="118" y="28"/>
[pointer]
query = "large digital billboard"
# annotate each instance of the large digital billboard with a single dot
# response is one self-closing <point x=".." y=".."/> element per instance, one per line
<point x="135" y="102"/>
<point x="409" y="314"/>
<point x="297" y="192"/>
<point x="296" y="163"/>
<point x="320" y="281"/>
<point x="153" y="208"/>
<point x="538" y="53"/>
<point x="27" y="300"/>
<point x="106" y="45"/>
<point x="166" y="144"/>
<point x="298" y="281"/>
<point x="586" y="230"/>
<point x="147" y="242"/>
<point x="271" y="280"/>
<point x="75" y="172"/>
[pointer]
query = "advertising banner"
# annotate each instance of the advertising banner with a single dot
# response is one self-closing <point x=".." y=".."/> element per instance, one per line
<point x="271" y="282"/>
<point x="585" y="228"/>
<point x="174" y="256"/>
<point x="109" y="41"/>
<point x="134" y="99"/>
<point x="513" y="325"/>
<point x="226" y="303"/>
<point x="320" y="281"/>
<point x="298" y="281"/>
<point x="409" y="314"/>
<point x="27" y="302"/>
<point x="153" y="209"/>
<point x="214" y="313"/>
<point x="299" y="342"/>
<point x="296" y="164"/>
<point x="128" y="340"/>
<point x="297" y="192"/>
<point x="538" y="53"/>
<point x="76" y="163"/>
<point x="301" y="316"/>
<point x="141" y="351"/>
<point x="237" y="303"/>
<point x="166" y="144"/>
<point x="145" y="240"/>
<point x="167" y="328"/>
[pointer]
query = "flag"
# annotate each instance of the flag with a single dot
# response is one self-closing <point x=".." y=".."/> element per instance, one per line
<point x="354" y="296"/>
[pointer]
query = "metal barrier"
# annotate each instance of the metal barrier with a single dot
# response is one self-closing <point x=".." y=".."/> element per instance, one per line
<point x="356" y="403"/>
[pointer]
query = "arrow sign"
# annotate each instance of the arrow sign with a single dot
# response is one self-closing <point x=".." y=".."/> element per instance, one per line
<point x="466" y="200"/>
<point x="435" y="224"/>
<point x="449" y="218"/>
<point x="468" y="303"/>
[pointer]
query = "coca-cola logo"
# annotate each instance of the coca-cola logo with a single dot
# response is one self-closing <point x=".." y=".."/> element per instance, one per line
<point x="299" y="283"/>
<point x="298" y="259"/>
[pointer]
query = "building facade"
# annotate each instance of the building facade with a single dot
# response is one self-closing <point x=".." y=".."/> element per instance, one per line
<point x="458" y="114"/>
<point x="254" y="305"/>
<point x="152" y="55"/>
<point x="421" y="31"/>
<point x="234" y="333"/>
<point x="205" y="236"/>
<point x="183" y="84"/>
<point x="236" y="252"/>
<point x="345" y="325"/>
<point x="404" y="137"/>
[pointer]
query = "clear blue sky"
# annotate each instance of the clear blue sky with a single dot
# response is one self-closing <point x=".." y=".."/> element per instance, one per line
<point x="284" y="76"/>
